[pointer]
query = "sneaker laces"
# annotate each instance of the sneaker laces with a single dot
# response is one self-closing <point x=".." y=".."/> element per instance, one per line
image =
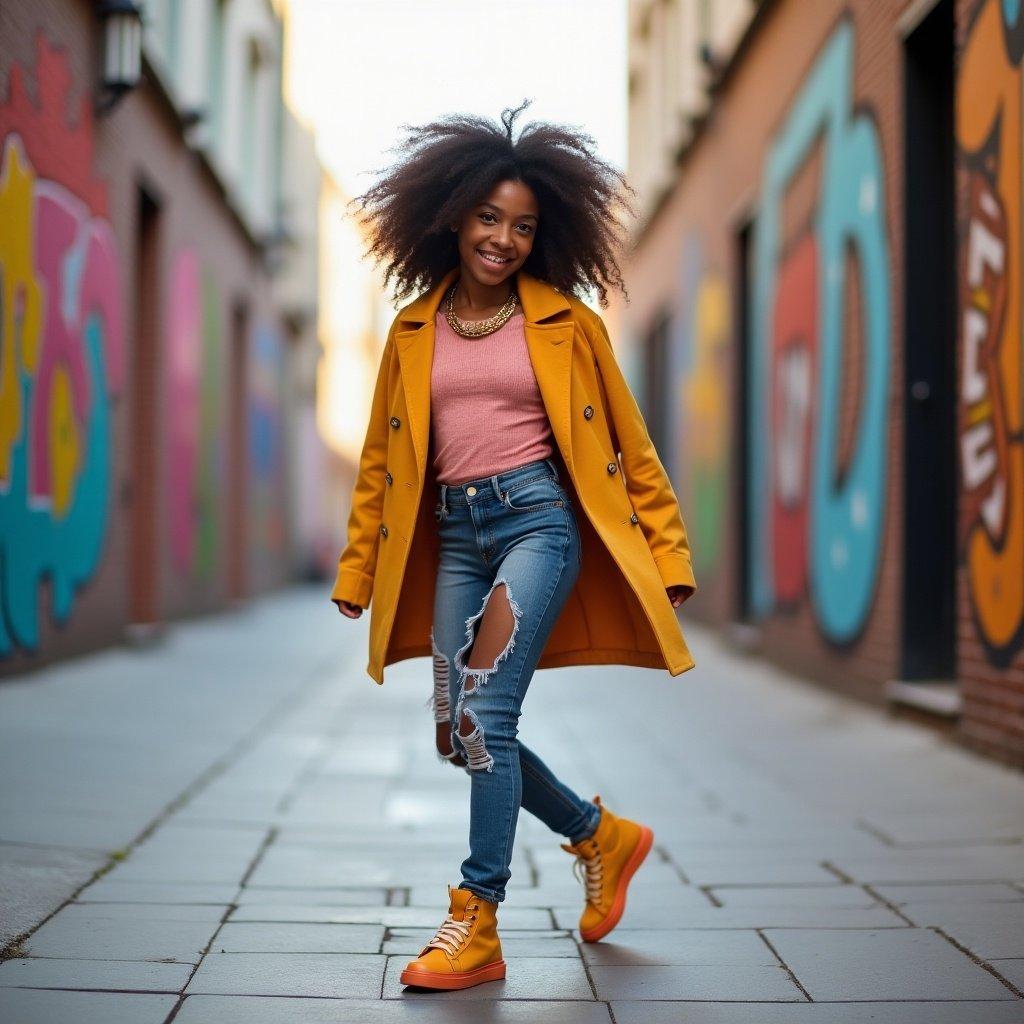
<point x="450" y="936"/>
<point x="589" y="871"/>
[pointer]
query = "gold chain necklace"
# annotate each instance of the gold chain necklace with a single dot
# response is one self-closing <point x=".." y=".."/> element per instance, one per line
<point x="477" y="328"/>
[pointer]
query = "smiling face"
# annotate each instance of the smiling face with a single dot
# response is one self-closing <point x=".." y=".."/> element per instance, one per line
<point x="496" y="236"/>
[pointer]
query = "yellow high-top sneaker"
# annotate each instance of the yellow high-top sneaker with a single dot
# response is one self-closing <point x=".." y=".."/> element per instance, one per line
<point x="605" y="862"/>
<point x="465" y="951"/>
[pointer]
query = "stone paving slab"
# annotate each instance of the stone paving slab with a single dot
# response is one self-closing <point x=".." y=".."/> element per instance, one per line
<point x="978" y="892"/>
<point x="258" y="895"/>
<point x="740" y="983"/>
<point x="526" y="978"/>
<point x="299" y="938"/>
<point x="49" y="1006"/>
<point x="690" y="948"/>
<point x="755" y="917"/>
<point x="440" y="1008"/>
<point x="335" y="975"/>
<point x="109" y="975"/>
<point x="34" y="881"/>
<point x="834" y="896"/>
<point x="990" y="940"/>
<point x="396" y="917"/>
<point x="897" y="964"/>
<point x="110" y="890"/>
<point x="91" y="932"/>
<point x="1011" y="970"/>
<point x="818" y="1013"/>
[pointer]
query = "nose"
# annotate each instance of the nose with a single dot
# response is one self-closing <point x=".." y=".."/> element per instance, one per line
<point x="503" y="237"/>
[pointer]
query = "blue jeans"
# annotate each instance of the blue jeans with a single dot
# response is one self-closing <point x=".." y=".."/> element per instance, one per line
<point x="516" y="528"/>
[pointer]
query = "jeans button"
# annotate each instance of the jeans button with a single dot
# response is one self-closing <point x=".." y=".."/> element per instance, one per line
<point x="471" y="491"/>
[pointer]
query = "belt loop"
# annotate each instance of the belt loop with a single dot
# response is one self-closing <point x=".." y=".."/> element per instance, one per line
<point x="442" y="507"/>
<point x="495" y="487"/>
<point x="554" y="468"/>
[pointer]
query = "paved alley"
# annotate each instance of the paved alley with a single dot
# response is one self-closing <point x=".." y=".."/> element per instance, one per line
<point x="238" y="825"/>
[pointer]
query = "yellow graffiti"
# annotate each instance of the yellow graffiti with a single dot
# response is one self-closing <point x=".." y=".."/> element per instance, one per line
<point x="704" y="396"/>
<point x="20" y="298"/>
<point x="989" y="92"/>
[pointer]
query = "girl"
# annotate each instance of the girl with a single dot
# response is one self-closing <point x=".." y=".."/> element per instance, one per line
<point x="481" y="400"/>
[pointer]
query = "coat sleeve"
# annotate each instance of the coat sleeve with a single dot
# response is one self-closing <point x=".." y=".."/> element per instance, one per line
<point x="358" y="561"/>
<point x="648" y="485"/>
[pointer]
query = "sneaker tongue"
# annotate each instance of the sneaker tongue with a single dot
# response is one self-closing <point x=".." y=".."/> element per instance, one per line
<point x="460" y="899"/>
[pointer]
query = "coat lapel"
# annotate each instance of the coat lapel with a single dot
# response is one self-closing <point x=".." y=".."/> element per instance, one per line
<point x="548" y="329"/>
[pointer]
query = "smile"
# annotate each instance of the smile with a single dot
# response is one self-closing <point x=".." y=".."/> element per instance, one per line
<point x="492" y="258"/>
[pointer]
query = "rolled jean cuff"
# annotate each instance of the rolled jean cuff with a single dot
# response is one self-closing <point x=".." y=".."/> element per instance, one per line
<point x="589" y="827"/>
<point x="487" y="894"/>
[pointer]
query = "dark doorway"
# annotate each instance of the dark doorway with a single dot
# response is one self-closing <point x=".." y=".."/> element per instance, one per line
<point x="142" y="496"/>
<point x="238" y="456"/>
<point x="929" y="454"/>
<point x="740" y="388"/>
<point x="656" y="382"/>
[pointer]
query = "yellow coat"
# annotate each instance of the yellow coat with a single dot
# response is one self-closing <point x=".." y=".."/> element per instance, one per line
<point x="634" y="543"/>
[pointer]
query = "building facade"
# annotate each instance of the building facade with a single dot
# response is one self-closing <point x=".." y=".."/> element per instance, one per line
<point x="158" y="324"/>
<point x="825" y="331"/>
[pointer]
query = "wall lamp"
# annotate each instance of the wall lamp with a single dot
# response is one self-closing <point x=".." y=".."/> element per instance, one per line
<point x="122" y="50"/>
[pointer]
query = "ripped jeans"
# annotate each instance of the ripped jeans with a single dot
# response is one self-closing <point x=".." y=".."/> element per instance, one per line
<point x="515" y="528"/>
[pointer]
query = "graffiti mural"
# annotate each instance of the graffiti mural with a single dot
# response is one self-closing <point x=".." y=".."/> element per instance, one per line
<point x="266" y="440"/>
<point x="61" y="350"/>
<point x="991" y="378"/>
<point x="696" y="449"/>
<point x="817" y="520"/>
<point x="196" y="451"/>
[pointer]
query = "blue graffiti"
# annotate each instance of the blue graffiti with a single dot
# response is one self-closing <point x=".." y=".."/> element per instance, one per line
<point x="846" y="518"/>
<point x="33" y="543"/>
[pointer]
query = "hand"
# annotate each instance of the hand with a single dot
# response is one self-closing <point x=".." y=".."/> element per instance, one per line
<point x="678" y="593"/>
<point x="347" y="608"/>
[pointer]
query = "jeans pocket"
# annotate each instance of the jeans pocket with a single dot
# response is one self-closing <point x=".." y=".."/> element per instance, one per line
<point x="531" y="495"/>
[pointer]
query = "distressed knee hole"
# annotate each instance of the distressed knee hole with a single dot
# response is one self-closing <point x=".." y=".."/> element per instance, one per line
<point x="473" y="741"/>
<point x="490" y="639"/>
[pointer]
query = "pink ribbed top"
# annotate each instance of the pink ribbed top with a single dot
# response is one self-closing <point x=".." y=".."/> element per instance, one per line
<point x="487" y="414"/>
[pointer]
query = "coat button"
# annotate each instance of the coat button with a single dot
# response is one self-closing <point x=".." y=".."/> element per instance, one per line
<point x="588" y="412"/>
<point x="633" y="519"/>
<point x="395" y="421"/>
<point x="612" y="467"/>
<point x="383" y="530"/>
<point x="390" y="479"/>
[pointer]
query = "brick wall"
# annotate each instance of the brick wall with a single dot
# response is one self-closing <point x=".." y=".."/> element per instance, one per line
<point x="127" y="397"/>
<point x="805" y="140"/>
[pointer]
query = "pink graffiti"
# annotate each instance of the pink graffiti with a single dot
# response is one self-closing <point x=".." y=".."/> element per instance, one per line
<point x="76" y="261"/>
<point x="184" y="350"/>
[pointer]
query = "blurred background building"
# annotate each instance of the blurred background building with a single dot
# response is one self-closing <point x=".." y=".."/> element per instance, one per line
<point x="159" y="259"/>
<point x="825" y="331"/>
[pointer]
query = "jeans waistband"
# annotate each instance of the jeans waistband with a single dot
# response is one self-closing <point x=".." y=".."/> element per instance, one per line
<point x="476" y="490"/>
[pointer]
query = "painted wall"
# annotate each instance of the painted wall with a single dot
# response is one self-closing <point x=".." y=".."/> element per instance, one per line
<point x="68" y="308"/>
<point x="805" y="153"/>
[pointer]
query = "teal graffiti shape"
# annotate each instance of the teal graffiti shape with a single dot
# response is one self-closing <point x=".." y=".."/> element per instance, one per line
<point x="34" y="545"/>
<point x="846" y="516"/>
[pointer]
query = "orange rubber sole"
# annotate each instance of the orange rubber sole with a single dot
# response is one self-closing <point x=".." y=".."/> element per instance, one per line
<point x="461" y="979"/>
<point x="636" y="858"/>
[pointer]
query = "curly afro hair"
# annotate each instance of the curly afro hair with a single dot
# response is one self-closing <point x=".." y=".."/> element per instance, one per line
<point x="446" y="167"/>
